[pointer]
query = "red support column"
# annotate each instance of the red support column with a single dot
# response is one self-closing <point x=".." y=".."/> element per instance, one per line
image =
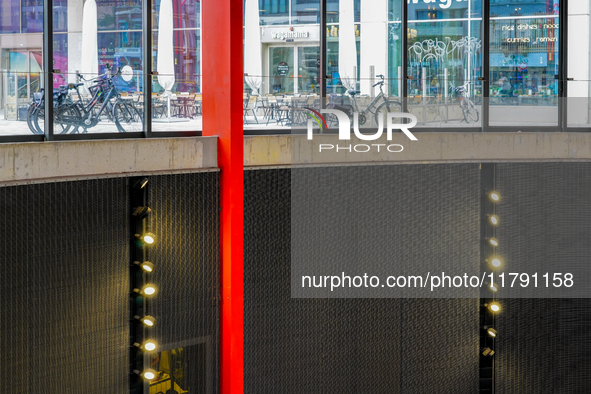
<point x="222" y="74"/>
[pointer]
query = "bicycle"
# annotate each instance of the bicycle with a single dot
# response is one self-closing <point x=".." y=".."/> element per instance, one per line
<point x="37" y="110"/>
<point x="374" y="108"/>
<point x="70" y="115"/>
<point x="469" y="110"/>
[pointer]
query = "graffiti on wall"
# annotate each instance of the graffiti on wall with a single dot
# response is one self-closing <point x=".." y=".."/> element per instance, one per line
<point x="447" y="48"/>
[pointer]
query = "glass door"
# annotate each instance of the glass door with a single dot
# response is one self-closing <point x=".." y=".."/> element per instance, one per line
<point x="281" y="70"/>
<point x="308" y="70"/>
<point x="524" y="64"/>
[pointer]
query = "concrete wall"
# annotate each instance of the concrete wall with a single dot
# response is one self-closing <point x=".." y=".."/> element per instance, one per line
<point x="68" y="160"/>
<point x="289" y="150"/>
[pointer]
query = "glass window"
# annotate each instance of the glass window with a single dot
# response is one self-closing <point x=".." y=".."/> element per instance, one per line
<point x="394" y="10"/>
<point x="176" y="57"/>
<point x="522" y="8"/>
<point x="103" y="39"/>
<point x="21" y="61"/>
<point x="444" y="62"/>
<point x="282" y="69"/>
<point x="305" y="11"/>
<point x="9" y="20"/>
<point x="32" y="16"/>
<point x="443" y="9"/>
<point x="187" y="13"/>
<point x="187" y="62"/>
<point x="394" y="59"/>
<point x="524" y="64"/>
<point x="275" y="12"/>
<point x="332" y="10"/>
<point x="117" y="15"/>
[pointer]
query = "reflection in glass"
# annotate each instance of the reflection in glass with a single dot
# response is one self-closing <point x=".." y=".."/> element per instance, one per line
<point x="182" y="109"/>
<point x="281" y="66"/>
<point x="187" y="13"/>
<point x="523" y="58"/>
<point x="524" y="70"/>
<point x="181" y="370"/>
<point x="275" y="12"/>
<point x="521" y="8"/>
<point x="444" y="66"/>
<point x="441" y="53"/>
<point x="304" y="11"/>
<point x="9" y="22"/>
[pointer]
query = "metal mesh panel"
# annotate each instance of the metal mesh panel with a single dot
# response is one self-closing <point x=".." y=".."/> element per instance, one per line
<point x="342" y="345"/>
<point x="545" y="214"/>
<point x="64" y="287"/>
<point x="543" y="344"/>
<point x="185" y="219"/>
<point x="385" y="220"/>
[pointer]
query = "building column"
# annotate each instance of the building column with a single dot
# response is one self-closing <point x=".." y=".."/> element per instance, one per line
<point x="579" y="63"/>
<point x="75" y="12"/>
<point x="374" y="41"/>
<point x="222" y="116"/>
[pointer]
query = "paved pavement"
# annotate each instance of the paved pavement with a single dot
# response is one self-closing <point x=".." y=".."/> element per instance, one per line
<point x="8" y="127"/>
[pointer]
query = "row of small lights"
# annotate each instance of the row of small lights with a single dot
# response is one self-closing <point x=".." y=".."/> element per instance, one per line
<point x="496" y="262"/>
<point x="148" y="290"/>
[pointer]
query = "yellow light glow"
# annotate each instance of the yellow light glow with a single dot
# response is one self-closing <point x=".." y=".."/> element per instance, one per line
<point x="150" y="345"/>
<point x="147" y="266"/>
<point x="493" y="287"/>
<point x="149" y="290"/>
<point x="491" y="332"/>
<point x="494" y="196"/>
<point x="493" y="219"/>
<point x="494" y="307"/>
<point x="148" y="321"/>
<point x="149" y="374"/>
<point x="149" y="238"/>
<point x="496" y="262"/>
<point x="493" y="242"/>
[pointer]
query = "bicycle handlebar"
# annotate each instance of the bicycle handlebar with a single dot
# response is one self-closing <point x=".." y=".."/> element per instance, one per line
<point x="381" y="82"/>
<point x="107" y="74"/>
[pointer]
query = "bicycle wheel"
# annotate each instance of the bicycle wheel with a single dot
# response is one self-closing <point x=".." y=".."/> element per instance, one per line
<point x="66" y="119"/>
<point x="127" y="118"/>
<point x="383" y="109"/>
<point x="472" y="112"/>
<point x="39" y="120"/>
<point x="31" y="119"/>
<point x="62" y="119"/>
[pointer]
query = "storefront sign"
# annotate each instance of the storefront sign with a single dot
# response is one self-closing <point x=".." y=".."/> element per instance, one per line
<point x="521" y="61"/>
<point x="290" y="34"/>
<point x="442" y="3"/>
<point x="274" y="34"/>
<point x="282" y="69"/>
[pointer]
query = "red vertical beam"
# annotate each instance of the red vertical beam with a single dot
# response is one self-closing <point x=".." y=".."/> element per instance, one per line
<point x="222" y="116"/>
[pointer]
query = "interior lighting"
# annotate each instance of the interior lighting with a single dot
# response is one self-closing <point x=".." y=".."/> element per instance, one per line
<point x="140" y="184"/>
<point x="490" y="331"/>
<point x="493" y="219"/>
<point x="141" y="212"/>
<point x="494" y="307"/>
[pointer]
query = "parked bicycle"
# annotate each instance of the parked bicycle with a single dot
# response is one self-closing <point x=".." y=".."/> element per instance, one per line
<point x="379" y="106"/>
<point x="71" y="116"/>
<point x="37" y="109"/>
<point x="469" y="110"/>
